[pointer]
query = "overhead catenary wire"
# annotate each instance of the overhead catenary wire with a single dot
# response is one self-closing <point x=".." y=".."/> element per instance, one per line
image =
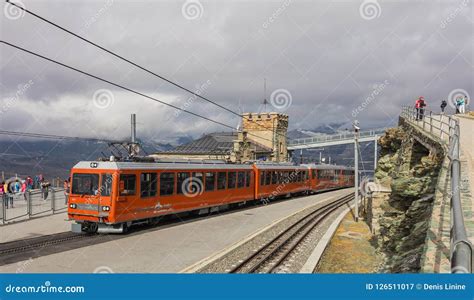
<point x="125" y="88"/>
<point x="55" y="137"/>
<point x="138" y="66"/>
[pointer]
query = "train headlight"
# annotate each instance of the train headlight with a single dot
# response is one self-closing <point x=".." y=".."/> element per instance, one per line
<point x="105" y="208"/>
<point x="72" y="205"/>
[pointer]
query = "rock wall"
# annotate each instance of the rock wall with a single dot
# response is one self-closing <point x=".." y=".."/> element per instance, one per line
<point x="402" y="217"/>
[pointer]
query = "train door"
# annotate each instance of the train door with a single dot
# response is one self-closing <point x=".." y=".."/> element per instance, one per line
<point x="127" y="193"/>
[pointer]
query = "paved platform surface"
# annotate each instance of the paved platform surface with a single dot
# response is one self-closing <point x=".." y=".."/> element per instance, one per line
<point x="466" y="127"/>
<point x="35" y="227"/>
<point x="169" y="249"/>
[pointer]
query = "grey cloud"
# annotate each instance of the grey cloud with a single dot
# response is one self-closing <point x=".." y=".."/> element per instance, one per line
<point x="324" y="53"/>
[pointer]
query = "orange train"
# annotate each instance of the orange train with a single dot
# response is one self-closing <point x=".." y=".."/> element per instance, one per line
<point x="110" y="196"/>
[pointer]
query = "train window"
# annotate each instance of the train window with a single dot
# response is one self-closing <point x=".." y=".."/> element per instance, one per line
<point x="262" y="178"/>
<point x="106" y="185"/>
<point x="274" y="177"/>
<point x="247" y="178"/>
<point x="210" y="181"/>
<point x="166" y="183"/>
<point x="147" y="185"/>
<point x="232" y="180"/>
<point x="197" y="183"/>
<point x="287" y="177"/>
<point x="290" y="176"/>
<point x="127" y="184"/>
<point x="240" y="179"/>
<point x="183" y="182"/>
<point x="221" y="180"/>
<point x="268" y="177"/>
<point x="300" y="175"/>
<point x="293" y="176"/>
<point x="85" y="184"/>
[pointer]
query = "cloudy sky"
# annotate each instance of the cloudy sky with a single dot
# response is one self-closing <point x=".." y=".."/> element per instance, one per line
<point x="324" y="62"/>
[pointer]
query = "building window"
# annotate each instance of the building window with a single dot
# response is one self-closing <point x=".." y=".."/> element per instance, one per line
<point x="182" y="181"/>
<point x="127" y="184"/>
<point x="210" y="181"/>
<point x="231" y="180"/>
<point x="221" y="180"/>
<point x="166" y="183"/>
<point x="106" y="185"/>
<point x="148" y="184"/>
<point x="240" y="180"/>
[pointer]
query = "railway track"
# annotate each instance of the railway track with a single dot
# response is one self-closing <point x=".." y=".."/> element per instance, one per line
<point x="33" y="244"/>
<point x="275" y="252"/>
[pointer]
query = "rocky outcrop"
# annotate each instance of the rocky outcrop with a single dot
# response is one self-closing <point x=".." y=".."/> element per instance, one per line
<point x="403" y="217"/>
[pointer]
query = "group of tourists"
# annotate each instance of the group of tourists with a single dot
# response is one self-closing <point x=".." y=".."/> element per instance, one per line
<point x="460" y="106"/>
<point x="16" y="187"/>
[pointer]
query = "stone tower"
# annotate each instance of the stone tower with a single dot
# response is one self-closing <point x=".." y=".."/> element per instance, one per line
<point x="268" y="129"/>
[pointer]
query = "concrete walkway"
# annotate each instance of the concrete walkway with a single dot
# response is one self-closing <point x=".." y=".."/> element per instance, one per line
<point x="466" y="126"/>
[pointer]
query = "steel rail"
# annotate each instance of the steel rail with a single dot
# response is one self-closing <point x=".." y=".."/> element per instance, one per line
<point x="304" y="225"/>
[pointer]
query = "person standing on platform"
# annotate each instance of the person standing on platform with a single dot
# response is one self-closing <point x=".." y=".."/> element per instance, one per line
<point x="443" y="106"/>
<point x="462" y="105"/>
<point x="3" y="194"/>
<point x="66" y="191"/>
<point x="420" y="107"/>
<point x="23" y="189"/>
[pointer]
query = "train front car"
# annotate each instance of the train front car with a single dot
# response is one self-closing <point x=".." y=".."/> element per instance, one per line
<point x="91" y="194"/>
<point x="110" y="196"/>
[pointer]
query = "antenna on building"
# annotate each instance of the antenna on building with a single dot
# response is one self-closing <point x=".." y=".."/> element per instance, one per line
<point x="265" y="102"/>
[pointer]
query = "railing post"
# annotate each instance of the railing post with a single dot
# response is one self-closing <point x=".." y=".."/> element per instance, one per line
<point x="29" y="203"/>
<point x="53" y="197"/>
<point x="431" y="122"/>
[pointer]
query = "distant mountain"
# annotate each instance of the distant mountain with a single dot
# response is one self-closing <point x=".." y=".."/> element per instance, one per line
<point x="54" y="158"/>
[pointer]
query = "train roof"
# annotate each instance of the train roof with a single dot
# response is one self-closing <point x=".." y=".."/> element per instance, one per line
<point x="327" y="167"/>
<point x="127" y="165"/>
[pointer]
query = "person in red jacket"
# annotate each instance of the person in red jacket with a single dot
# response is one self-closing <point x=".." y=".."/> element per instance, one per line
<point x="420" y="107"/>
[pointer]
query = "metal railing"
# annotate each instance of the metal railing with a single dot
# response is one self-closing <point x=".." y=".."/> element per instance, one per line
<point x="336" y="137"/>
<point x="447" y="129"/>
<point x="33" y="203"/>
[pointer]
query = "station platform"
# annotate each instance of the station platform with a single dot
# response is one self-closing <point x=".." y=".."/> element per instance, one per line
<point x="167" y="249"/>
<point x="35" y="227"/>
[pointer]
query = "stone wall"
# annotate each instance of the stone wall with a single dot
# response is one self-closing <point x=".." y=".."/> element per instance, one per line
<point x="409" y="166"/>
